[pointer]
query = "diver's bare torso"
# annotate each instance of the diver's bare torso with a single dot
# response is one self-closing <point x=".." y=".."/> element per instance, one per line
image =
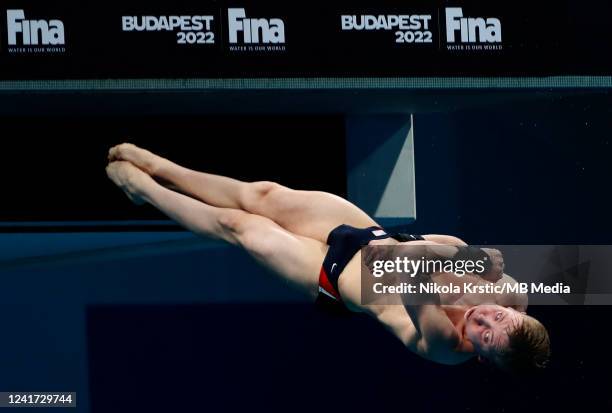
<point x="395" y="317"/>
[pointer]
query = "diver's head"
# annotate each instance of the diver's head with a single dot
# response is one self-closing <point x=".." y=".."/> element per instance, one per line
<point x="511" y="340"/>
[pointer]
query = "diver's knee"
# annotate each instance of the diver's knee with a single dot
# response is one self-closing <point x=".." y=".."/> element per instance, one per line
<point x="233" y="221"/>
<point x="260" y="195"/>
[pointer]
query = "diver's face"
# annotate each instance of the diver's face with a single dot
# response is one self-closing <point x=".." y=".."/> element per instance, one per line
<point x="487" y="327"/>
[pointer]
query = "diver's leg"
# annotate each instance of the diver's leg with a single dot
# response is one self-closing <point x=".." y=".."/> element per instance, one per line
<point x="311" y="214"/>
<point x="295" y="258"/>
<point x="215" y="190"/>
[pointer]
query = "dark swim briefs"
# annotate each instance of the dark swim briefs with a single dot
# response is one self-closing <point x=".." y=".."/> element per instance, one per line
<point x="344" y="242"/>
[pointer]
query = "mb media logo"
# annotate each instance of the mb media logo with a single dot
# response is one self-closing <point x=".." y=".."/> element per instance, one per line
<point x="33" y="36"/>
<point x="475" y="33"/>
<point x="254" y="34"/>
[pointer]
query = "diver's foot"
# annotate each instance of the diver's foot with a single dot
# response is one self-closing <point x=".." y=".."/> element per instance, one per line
<point x="128" y="178"/>
<point x="142" y="158"/>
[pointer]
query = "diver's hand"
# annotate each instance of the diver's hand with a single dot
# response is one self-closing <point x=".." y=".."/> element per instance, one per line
<point x="497" y="265"/>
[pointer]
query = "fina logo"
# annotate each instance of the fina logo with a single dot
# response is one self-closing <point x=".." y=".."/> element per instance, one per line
<point x="33" y="32"/>
<point x="254" y="31"/>
<point x="473" y="30"/>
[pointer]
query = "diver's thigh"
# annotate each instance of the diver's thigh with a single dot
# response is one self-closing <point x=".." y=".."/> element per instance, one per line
<point x="312" y="214"/>
<point x="295" y="258"/>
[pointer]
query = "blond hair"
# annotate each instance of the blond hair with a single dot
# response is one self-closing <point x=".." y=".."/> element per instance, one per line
<point x="528" y="349"/>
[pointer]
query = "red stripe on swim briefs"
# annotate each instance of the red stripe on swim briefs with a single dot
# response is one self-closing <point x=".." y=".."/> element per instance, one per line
<point x="326" y="285"/>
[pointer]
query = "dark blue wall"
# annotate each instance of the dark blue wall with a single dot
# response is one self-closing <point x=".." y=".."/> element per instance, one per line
<point x="534" y="171"/>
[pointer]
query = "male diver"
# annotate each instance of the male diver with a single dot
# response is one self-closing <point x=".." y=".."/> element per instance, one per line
<point x="313" y="240"/>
